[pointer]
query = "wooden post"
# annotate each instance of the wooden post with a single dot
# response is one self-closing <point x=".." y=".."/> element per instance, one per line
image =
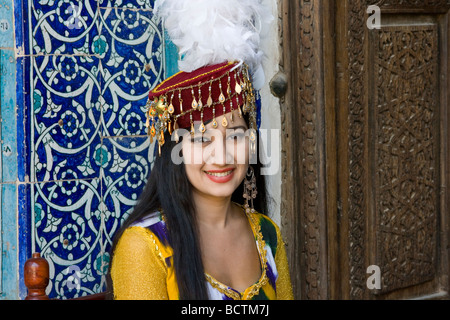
<point x="36" y="276"/>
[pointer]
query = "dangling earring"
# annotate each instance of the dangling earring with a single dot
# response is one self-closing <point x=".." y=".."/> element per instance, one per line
<point x="250" y="191"/>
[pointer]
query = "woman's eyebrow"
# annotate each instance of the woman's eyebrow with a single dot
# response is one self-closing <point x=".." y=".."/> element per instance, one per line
<point x="238" y="127"/>
<point x="244" y="128"/>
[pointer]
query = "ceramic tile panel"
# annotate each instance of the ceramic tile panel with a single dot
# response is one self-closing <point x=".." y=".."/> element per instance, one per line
<point x="127" y="165"/>
<point x="133" y="63"/>
<point x="67" y="229"/>
<point x="8" y="157"/>
<point x="8" y="240"/>
<point x="23" y="103"/>
<point x="134" y="4"/>
<point x="8" y="124"/>
<point x="62" y="27"/>
<point x="6" y="24"/>
<point x="83" y="73"/>
<point x="25" y="232"/>
<point x="65" y="107"/>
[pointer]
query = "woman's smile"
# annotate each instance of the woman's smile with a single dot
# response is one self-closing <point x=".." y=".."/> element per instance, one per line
<point x="220" y="176"/>
<point x="223" y="158"/>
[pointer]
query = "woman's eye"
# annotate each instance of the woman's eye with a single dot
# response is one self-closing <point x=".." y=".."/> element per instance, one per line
<point x="236" y="136"/>
<point x="200" y="139"/>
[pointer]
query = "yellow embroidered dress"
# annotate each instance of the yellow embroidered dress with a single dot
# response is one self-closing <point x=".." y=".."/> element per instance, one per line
<point x="142" y="267"/>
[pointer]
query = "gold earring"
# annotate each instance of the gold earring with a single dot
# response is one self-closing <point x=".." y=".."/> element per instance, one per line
<point x="250" y="191"/>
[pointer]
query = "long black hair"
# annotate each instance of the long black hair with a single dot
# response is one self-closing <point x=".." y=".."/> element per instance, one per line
<point x="168" y="189"/>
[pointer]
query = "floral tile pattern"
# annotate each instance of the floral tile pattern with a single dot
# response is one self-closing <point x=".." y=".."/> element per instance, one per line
<point x="66" y="110"/>
<point x="129" y="71"/>
<point x="67" y="226"/>
<point x="139" y="4"/>
<point x="88" y="66"/>
<point x="126" y="168"/>
<point x="62" y="26"/>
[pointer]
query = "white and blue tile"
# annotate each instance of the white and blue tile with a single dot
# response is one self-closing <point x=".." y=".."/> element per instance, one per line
<point x="67" y="228"/>
<point x="127" y="165"/>
<point x="8" y="157"/>
<point x="82" y="76"/>
<point x="132" y="64"/>
<point x="66" y="111"/>
<point x="135" y="4"/>
<point x="62" y="27"/>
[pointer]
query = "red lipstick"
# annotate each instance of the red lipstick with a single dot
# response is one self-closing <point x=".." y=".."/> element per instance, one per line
<point x="220" y="176"/>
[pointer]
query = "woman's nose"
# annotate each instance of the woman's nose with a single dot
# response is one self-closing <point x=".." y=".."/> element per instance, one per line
<point x="220" y="153"/>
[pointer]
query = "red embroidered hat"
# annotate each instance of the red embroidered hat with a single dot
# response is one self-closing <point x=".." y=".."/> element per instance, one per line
<point x="200" y="96"/>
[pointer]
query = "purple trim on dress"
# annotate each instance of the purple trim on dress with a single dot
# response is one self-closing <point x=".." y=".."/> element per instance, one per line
<point x="159" y="230"/>
<point x="225" y="297"/>
<point x="272" y="277"/>
<point x="168" y="262"/>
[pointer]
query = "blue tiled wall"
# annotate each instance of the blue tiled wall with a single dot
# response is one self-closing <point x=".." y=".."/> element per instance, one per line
<point x="9" y="288"/>
<point x="75" y="135"/>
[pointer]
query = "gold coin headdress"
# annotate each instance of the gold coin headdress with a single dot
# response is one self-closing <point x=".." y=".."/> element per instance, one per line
<point x="220" y="65"/>
<point x="201" y="97"/>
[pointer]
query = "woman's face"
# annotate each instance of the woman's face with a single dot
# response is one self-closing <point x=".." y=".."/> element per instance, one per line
<point x="217" y="161"/>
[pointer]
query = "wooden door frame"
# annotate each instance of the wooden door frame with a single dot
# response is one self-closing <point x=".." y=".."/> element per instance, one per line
<point x="309" y="183"/>
<point x="324" y="222"/>
<point x="355" y="154"/>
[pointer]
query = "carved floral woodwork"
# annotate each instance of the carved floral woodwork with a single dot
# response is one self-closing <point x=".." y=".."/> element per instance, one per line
<point x="387" y="90"/>
<point x="406" y="139"/>
<point x="394" y="141"/>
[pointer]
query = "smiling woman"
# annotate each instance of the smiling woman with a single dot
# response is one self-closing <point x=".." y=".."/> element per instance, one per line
<point x="218" y="172"/>
<point x="200" y="229"/>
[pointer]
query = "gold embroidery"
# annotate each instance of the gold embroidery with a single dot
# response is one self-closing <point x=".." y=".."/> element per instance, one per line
<point x="156" y="247"/>
<point x="158" y="88"/>
<point x="256" y="226"/>
<point x="223" y="288"/>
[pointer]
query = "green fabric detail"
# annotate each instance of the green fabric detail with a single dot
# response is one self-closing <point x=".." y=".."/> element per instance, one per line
<point x="269" y="234"/>
<point x="261" y="295"/>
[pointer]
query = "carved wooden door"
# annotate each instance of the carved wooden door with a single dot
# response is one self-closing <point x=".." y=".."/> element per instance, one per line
<point x="371" y="163"/>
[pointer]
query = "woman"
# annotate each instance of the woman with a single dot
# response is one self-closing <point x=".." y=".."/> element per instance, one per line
<point x="189" y="237"/>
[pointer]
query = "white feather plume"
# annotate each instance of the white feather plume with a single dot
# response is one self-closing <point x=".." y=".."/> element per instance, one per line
<point x="209" y="32"/>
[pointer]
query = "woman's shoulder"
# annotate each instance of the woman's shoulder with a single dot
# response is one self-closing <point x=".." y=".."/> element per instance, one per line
<point x="148" y="221"/>
<point x="149" y="232"/>
<point x="151" y="226"/>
